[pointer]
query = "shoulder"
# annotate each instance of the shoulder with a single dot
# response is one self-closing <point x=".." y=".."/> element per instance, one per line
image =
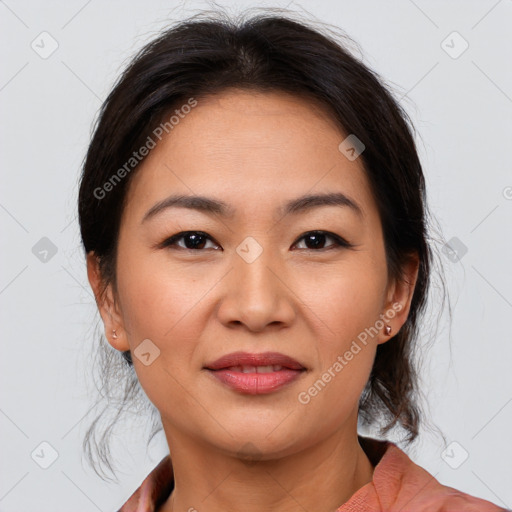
<point x="401" y="485"/>
<point x="153" y="490"/>
<point x="398" y="485"/>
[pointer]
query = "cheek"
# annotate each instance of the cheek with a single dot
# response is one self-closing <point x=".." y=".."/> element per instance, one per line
<point x="159" y="299"/>
<point x="164" y="306"/>
<point x="348" y="306"/>
<point x="347" y="300"/>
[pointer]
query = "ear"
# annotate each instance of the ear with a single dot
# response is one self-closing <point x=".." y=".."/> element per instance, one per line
<point x="107" y="305"/>
<point x="399" y="297"/>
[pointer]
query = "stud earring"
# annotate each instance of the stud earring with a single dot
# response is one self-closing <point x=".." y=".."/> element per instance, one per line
<point x="114" y="334"/>
<point x="387" y="330"/>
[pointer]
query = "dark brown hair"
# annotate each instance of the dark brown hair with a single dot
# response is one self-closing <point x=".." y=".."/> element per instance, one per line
<point x="210" y="53"/>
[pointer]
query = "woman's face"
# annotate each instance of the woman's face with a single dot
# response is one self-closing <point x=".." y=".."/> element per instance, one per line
<point x="253" y="280"/>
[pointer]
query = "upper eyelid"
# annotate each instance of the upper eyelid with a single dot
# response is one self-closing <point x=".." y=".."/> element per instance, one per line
<point x="339" y="240"/>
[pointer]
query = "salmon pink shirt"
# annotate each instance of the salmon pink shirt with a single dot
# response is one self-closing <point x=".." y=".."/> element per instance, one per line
<point x="398" y="485"/>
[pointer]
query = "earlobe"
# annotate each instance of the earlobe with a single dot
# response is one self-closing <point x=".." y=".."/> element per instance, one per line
<point x="117" y="339"/>
<point x="107" y="307"/>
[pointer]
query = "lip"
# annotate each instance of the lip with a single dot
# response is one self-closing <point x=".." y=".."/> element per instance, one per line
<point x="248" y="359"/>
<point x="254" y="383"/>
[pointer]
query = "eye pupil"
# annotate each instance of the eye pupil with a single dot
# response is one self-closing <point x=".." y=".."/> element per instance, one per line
<point x="197" y="242"/>
<point x="319" y="237"/>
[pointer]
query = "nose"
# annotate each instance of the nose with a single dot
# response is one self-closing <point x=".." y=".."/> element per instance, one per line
<point x="256" y="294"/>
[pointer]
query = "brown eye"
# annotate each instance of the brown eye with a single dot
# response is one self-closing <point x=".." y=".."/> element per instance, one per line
<point x="198" y="240"/>
<point x="315" y="240"/>
<point x="193" y="240"/>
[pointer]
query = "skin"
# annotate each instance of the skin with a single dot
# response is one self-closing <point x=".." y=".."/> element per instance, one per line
<point x="254" y="151"/>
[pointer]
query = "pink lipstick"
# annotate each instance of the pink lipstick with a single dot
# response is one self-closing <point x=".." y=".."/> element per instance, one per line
<point x="256" y="374"/>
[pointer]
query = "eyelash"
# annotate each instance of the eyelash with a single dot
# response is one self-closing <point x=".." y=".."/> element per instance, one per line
<point x="339" y="242"/>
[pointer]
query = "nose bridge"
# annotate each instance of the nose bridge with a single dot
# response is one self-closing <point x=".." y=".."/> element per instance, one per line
<point x="256" y="295"/>
<point x="253" y="263"/>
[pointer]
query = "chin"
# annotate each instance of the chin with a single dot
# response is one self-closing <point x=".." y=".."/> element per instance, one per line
<point x="260" y="441"/>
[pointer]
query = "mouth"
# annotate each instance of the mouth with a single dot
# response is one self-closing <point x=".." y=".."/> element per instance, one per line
<point x="254" y="369"/>
<point x="255" y="374"/>
<point x="249" y="361"/>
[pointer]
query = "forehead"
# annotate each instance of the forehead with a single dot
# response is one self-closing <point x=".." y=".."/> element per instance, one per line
<point x="255" y="149"/>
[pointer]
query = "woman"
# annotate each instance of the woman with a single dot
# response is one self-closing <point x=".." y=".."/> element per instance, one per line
<point x="252" y="207"/>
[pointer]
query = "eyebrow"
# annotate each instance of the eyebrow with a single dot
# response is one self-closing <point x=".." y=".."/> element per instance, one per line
<point x="212" y="206"/>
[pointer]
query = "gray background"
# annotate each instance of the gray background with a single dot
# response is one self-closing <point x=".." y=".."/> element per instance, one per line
<point x="462" y="108"/>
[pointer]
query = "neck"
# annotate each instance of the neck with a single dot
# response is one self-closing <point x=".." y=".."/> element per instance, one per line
<point x="321" y="477"/>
